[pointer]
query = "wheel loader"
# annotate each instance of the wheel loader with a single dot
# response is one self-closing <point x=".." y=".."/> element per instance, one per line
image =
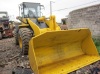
<point x="50" y="49"/>
<point x="5" y="29"/>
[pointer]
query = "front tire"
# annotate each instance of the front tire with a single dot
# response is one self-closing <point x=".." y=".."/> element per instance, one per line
<point x="0" y="36"/>
<point x="25" y="35"/>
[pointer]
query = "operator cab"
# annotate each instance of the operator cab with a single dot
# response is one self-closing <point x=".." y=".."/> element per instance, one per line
<point x="4" y="20"/>
<point x="30" y="10"/>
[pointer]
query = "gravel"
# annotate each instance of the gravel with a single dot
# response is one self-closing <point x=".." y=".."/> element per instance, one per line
<point x="87" y="69"/>
<point x="8" y="52"/>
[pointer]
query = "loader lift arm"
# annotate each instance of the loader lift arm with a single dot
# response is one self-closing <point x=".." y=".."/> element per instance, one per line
<point x="32" y="24"/>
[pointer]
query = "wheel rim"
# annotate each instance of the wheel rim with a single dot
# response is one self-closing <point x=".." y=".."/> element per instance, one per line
<point x="20" y="42"/>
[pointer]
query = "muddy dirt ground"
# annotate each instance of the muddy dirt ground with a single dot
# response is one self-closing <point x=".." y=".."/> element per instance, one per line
<point x="9" y="54"/>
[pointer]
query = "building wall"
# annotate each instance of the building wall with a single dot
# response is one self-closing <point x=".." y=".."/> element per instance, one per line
<point x="86" y="18"/>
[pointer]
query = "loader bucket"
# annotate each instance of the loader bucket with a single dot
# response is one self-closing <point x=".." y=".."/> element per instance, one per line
<point x="61" y="52"/>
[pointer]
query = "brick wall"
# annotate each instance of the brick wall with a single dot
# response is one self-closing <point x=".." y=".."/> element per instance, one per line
<point x="88" y="17"/>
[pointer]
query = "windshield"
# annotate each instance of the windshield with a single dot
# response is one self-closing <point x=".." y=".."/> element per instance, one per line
<point x="32" y="12"/>
<point x="3" y="15"/>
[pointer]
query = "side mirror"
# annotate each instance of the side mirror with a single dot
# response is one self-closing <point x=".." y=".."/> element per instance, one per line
<point x="42" y="7"/>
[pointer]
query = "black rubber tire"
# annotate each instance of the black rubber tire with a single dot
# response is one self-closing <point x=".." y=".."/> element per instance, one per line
<point x="16" y="36"/>
<point x="20" y="70"/>
<point x="0" y="36"/>
<point x="26" y="35"/>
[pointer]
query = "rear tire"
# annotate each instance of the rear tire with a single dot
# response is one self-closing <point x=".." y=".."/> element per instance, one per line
<point x="25" y="35"/>
<point x="0" y="36"/>
<point x="16" y="37"/>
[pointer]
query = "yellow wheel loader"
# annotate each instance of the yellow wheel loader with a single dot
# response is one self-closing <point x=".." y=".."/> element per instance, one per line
<point x="50" y="49"/>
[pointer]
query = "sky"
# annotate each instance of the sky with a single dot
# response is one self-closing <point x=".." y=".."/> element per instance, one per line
<point x="11" y="6"/>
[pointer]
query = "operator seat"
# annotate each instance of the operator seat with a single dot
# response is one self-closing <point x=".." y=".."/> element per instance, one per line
<point x="31" y="14"/>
